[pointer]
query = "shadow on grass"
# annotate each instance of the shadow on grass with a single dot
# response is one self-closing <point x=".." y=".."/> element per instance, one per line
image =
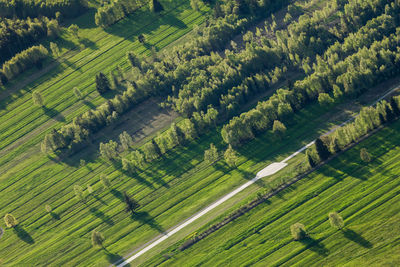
<point x="54" y="215"/>
<point x="357" y="238"/>
<point x="136" y="176"/>
<point x="145" y="218"/>
<point x="315" y="245"/>
<point x="54" y="114"/>
<point x="99" y="199"/>
<point x="23" y="235"/>
<point x="89" y="104"/>
<point x="117" y="194"/>
<point x="113" y="258"/>
<point x="87" y="43"/>
<point x="99" y="214"/>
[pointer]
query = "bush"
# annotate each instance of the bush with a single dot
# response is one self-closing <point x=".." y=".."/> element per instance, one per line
<point x="298" y="231"/>
<point x="10" y="220"/>
<point x="336" y="220"/>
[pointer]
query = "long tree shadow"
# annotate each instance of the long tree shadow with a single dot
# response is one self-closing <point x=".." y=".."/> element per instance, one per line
<point x="23" y="235"/>
<point x="137" y="178"/>
<point x="145" y="218"/>
<point x="54" y="114"/>
<point x="99" y="214"/>
<point x="87" y="43"/>
<point x="315" y="245"/>
<point x="89" y="104"/>
<point x="114" y="258"/>
<point x="54" y="215"/>
<point x="117" y="194"/>
<point x="157" y="178"/>
<point x="357" y="238"/>
<point x="99" y="199"/>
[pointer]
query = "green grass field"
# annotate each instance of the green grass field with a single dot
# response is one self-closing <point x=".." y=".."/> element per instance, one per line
<point x="365" y="194"/>
<point x="27" y="124"/>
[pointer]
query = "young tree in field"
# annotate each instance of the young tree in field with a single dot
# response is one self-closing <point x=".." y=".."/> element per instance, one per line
<point x="79" y="193"/>
<point x="54" y="49"/>
<point x="105" y="181"/>
<point x="74" y="30"/>
<point x="109" y="150"/>
<point x="278" y="129"/>
<point x="231" y="156"/>
<point x="97" y="239"/>
<point x="322" y="150"/>
<point x="37" y="99"/>
<point x="78" y="93"/>
<point x="194" y="4"/>
<point x="155" y="6"/>
<point x="131" y="204"/>
<point x="325" y="99"/>
<point x="89" y="189"/>
<point x="336" y="220"/>
<point x="102" y="83"/>
<point x="298" y="231"/>
<point x="211" y="154"/>
<point x="126" y="140"/>
<point x="48" y="208"/>
<point x="364" y="155"/>
<point x="10" y="220"/>
<point x="141" y="39"/>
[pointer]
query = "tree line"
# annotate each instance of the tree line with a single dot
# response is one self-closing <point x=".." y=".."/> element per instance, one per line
<point x="38" y="8"/>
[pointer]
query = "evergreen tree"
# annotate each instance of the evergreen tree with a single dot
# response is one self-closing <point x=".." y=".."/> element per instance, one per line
<point x="298" y="231"/>
<point x="231" y="156"/>
<point x="155" y="6"/>
<point x="211" y="154"/>
<point x="10" y="220"/>
<point x="336" y="220"/>
<point x="141" y="38"/>
<point x="131" y="204"/>
<point x="97" y="239"/>
<point x="37" y="99"/>
<point x="322" y="150"/>
<point x="102" y="83"/>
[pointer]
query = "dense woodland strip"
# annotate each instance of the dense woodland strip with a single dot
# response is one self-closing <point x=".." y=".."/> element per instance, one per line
<point x="115" y="10"/>
<point x="37" y="8"/>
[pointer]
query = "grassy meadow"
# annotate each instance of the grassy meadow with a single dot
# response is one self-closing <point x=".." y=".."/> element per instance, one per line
<point x="365" y="194"/>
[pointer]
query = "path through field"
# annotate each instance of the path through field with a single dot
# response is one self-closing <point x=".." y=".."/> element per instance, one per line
<point x="267" y="171"/>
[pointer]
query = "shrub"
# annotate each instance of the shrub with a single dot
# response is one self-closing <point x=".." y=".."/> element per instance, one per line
<point x="298" y="231"/>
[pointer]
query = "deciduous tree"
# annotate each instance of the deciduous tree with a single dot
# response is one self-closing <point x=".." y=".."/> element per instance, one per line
<point x="298" y="231"/>
<point x="10" y="220"/>
<point x="336" y="220"/>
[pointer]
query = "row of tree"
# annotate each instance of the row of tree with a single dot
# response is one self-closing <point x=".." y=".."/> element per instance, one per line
<point x="38" y="8"/>
<point x="369" y="119"/>
<point x="28" y="58"/>
<point x="17" y="35"/>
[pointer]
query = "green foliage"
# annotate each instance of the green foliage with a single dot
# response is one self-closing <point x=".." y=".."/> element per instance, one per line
<point x="364" y="155"/>
<point x="37" y="99"/>
<point x="78" y="93"/>
<point x="78" y="190"/>
<point x="336" y="220"/>
<point x="231" y="156"/>
<point x="325" y="99"/>
<point x="90" y="189"/>
<point x="298" y="231"/>
<point x="54" y="49"/>
<point x="155" y="6"/>
<point x="97" y="239"/>
<point x="278" y="128"/>
<point x="102" y="83"/>
<point x="113" y="11"/>
<point x="109" y="150"/>
<point x="322" y="150"/>
<point x="211" y="154"/>
<point x="48" y="208"/>
<point x="74" y="30"/>
<point x="10" y="220"/>
<point x="126" y="140"/>
<point x="105" y="181"/>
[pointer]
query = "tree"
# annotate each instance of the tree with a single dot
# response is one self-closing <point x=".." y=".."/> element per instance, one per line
<point x="126" y="140"/>
<point x="10" y="220"/>
<point x="322" y="150"/>
<point x="105" y="181"/>
<point x="102" y="83"/>
<point x="89" y="189"/>
<point x="211" y="154"/>
<point x="394" y="106"/>
<point x="54" y="49"/>
<point x="97" y="239"/>
<point x="78" y="93"/>
<point x="231" y="156"/>
<point x="134" y="59"/>
<point x="278" y="128"/>
<point x="364" y="155"/>
<point x="155" y="6"/>
<point x="74" y="30"/>
<point x="336" y="220"/>
<point x="325" y="99"/>
<point x="194" y="4"/>
<point x="131" y="204"/>
<point x="79" y="192"/>
<point x="48" y="208"/>
<point x="298" y="231"/>
<point x="109" y="150"/>
<point x="141" y="38"/>
<point x="150" y="151"/>
<point x="37" y="99"/>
